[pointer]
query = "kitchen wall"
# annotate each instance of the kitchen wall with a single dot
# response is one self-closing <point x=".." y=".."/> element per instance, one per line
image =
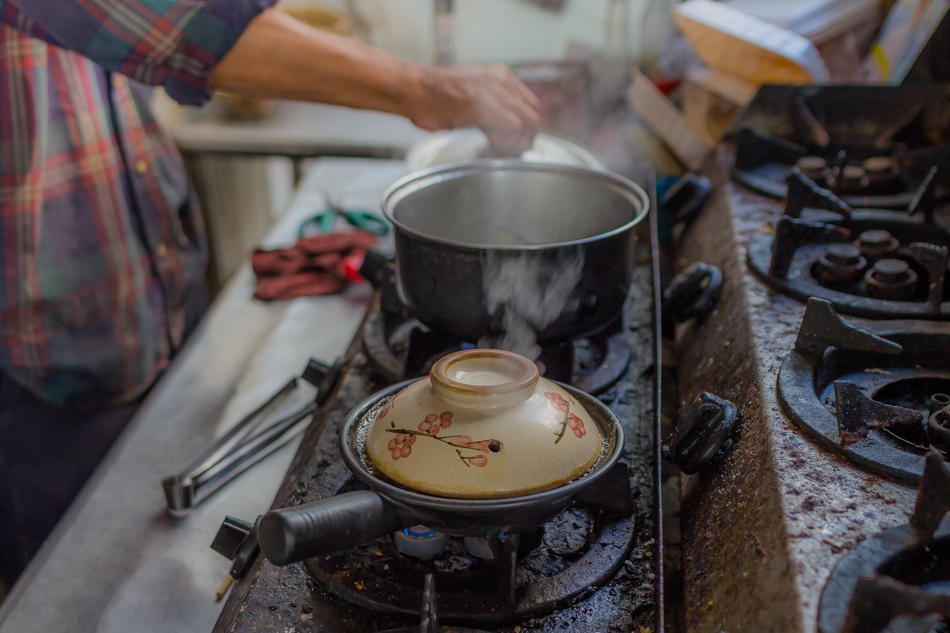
<point x="492" y="30"/>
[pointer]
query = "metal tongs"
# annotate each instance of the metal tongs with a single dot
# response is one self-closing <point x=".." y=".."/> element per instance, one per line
<point x="249" y="441"/>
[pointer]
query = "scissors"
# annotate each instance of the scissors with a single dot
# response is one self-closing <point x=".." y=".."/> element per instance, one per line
<point x="363" y="220"/>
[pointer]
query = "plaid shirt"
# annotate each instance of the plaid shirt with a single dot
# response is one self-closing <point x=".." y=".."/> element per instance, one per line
<point x="100" y="236"/>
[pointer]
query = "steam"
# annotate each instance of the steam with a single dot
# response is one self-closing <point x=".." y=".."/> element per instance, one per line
<point x="532" y="291"/>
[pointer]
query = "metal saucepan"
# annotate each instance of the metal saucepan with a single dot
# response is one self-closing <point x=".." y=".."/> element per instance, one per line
<point x="347" y="520"/>
<point x="487" y="246"/>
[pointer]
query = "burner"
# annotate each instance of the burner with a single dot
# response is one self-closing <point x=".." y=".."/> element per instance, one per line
<point x="763" y="163"/>
<point x="488" y="581"/>
<point x="894" y="267"/>
<point x="420" y="542"/>
<point x="898" y="580"/>
<point x="883" y="175"/>
<point x="867" y="394"/>
<point x="872" y="146"/>
<point x="400" y="347"/>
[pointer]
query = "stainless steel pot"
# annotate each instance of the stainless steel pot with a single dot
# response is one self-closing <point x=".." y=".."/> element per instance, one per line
<point x="488" y="246"/>
<point x="347" y="520"/>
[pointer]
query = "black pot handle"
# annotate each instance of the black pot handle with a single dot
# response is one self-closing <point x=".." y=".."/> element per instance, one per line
<point x="326" y="526"/>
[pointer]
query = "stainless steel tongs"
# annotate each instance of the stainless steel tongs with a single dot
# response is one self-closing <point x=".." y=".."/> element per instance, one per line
<point x="253" y="438"/>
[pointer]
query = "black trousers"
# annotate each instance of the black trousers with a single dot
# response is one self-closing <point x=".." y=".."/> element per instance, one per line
<point x="46" y="455"/>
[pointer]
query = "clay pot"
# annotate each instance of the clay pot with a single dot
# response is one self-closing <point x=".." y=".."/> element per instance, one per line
<point x="483" y="425"/>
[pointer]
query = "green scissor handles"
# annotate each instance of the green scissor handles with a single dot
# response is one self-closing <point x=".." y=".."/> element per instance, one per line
<point x="363" y="220"/>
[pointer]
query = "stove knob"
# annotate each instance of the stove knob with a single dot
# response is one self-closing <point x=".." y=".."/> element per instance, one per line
<point x="703" y="434"/>
<point x="693" y="293"/>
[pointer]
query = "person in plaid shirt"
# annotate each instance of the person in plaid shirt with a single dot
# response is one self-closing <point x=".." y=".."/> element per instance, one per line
<point x="102" y="243"/>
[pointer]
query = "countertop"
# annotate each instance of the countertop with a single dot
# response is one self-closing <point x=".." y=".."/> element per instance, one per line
<point x="298" y="129"/>
<point x="118" y="562"/>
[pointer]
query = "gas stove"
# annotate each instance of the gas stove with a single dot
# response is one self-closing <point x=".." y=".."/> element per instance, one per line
<point x="868" y="262"/>
<point x="897" y="580"/>
<point x="595" y="566"/>
<point x="872" y="146"/>
<point x="836" y="413"/>
<point x="873" y="394"/>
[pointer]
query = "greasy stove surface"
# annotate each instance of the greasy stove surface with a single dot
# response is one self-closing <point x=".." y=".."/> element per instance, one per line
<point x="271" y="598"/>
<point x="762" y="532"/>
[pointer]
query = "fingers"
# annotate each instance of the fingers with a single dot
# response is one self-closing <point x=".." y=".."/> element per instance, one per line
<point x="490" y="97"/>
<point x="510" y="115"/>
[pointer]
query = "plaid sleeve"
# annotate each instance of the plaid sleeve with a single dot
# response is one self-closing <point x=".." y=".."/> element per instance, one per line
<point x="174" y="43"/>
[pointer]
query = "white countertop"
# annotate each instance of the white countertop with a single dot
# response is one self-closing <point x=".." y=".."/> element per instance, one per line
<point x="296" y="128"/>
<point x="118" y="562"/>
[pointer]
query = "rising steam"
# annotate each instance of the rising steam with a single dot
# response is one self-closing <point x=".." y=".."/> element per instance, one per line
<point x="531" y="291"/>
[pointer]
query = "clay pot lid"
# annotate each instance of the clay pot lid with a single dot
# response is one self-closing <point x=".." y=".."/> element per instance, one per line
<point x="483" y="425"/>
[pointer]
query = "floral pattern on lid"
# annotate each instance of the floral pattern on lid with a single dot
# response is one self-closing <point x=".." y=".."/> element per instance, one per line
<point x="571" y="421"/>
<point x="481" y="427"/>
<point x="401" y="445"/>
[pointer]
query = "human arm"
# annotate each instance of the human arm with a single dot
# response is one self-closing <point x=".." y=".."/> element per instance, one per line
<point x="248" y="48"/>
<point x="279" y="56"/>
<point x="158" y="42"/>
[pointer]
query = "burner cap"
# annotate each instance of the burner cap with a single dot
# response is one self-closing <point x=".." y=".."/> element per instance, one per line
<point x="811" y="162"/>
<point x="876" y="237"/>
<point x="879" y="165"/>
<point x="420" y="542"/>
<point x="840" y="264"/>
<point x="891" y="279"/>
<point x="844" y="254"/>
<point x="890" y="270"/>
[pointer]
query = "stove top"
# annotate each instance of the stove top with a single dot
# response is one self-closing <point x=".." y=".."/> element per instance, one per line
<point x="867" y="262"/>
<point x="869" y="393"/>
<point x="835" y="412"/>
<point x="897" y="580"/>
<point x="871" y="145"/>
<point x="594" y="566"/>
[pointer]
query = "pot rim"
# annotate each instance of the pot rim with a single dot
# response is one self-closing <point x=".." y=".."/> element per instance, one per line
<point x="419" y="180"/>
<point x="356" y="461"/>
<point x="418" y="153"/>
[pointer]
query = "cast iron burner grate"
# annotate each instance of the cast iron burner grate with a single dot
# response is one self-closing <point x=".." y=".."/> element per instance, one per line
<point x="428" y="614"/>
<point x="875" y="395"/>
<point x="867" y="262"/>
<point x="898" y="580"/>
<point x="526" y="575"/>
<point x="400" y="347"/>
<point x="871" y="146"/>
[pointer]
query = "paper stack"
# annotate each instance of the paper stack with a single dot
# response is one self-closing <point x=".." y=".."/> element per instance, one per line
<point x="747" y="47"/>
<point x="816" y="20"/>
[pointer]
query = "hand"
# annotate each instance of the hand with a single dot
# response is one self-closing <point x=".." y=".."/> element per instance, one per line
<point x="490" y="97"/>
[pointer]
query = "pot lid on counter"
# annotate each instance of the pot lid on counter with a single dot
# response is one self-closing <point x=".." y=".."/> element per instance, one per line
<point x="483" y="425"/>
<point x="462" y="145"/>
